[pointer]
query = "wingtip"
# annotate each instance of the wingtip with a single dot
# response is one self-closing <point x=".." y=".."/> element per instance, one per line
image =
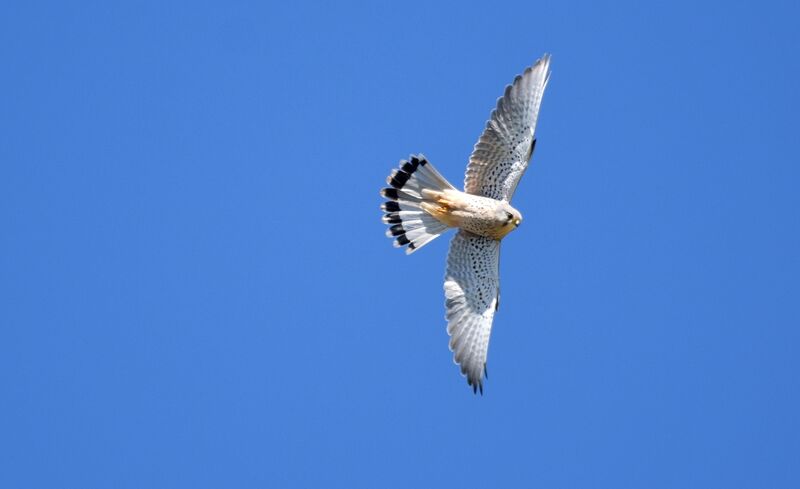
<point x="544" y="59"/>
<point x="477" y="387"/>
<point x="476" y="384"/>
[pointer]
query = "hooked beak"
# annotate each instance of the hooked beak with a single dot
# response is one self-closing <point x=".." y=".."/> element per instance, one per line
<point x="516" y="222"/>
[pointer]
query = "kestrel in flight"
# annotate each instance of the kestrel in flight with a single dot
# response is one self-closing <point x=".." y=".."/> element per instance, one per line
<point x="421" y="205"/>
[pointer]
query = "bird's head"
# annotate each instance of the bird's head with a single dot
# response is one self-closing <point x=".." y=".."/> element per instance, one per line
<point x="509" y="218"/>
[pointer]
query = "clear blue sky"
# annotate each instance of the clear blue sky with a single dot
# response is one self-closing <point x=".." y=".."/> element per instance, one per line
<point x="197" y="290"/>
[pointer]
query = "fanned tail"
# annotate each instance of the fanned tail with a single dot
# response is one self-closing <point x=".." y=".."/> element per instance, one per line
<point x="409" y="224"/>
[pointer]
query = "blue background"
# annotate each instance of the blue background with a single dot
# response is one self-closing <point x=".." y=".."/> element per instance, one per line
<point x="197" y="290"/>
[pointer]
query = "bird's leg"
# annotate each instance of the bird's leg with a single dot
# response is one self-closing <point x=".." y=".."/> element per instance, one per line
<point x="439" y="206"/>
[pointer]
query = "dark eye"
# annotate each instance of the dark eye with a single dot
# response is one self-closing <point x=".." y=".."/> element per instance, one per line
<point x="510" y="216"/>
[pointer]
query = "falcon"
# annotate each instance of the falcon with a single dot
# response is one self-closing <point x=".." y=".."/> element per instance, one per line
<point x="421" y="205"/>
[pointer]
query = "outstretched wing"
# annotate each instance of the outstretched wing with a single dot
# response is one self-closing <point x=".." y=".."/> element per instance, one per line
<point x="504" y="149"/>
<point x="471" y="289"/>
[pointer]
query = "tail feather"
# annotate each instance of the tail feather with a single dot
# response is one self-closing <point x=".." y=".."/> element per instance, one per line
<point x="402" y="215"/>
<point x="409" y="223"/>
<point x="405" y="195"/>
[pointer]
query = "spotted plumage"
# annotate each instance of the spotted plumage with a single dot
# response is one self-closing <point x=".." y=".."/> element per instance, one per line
<point x="421" y="205"/>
